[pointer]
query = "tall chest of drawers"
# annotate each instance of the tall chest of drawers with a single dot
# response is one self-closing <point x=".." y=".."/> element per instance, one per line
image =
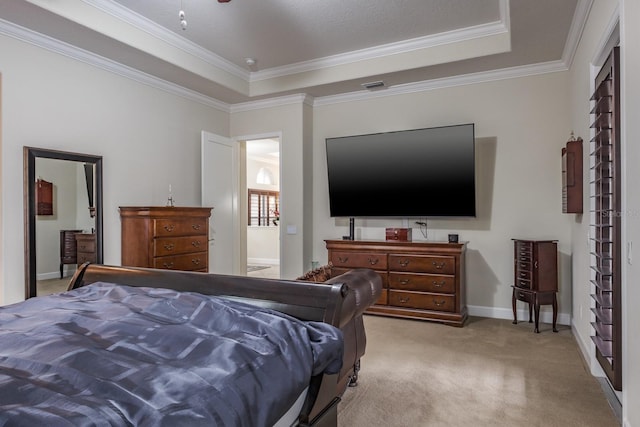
<point x="175" y="238"/>
<point x="421" y="280"/>
<point x="535" y="267"/>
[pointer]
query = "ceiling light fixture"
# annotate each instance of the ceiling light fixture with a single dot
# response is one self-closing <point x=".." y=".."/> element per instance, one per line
<point x="183" y="22"/>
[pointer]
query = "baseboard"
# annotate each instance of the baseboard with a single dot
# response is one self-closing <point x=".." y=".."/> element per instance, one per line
<point x="67" y="272"/>
<point x="263" y="261"/>
<point x="523" y="314"/>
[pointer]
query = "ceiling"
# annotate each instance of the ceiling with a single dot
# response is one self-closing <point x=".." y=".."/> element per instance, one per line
<point x="321" y="48"/>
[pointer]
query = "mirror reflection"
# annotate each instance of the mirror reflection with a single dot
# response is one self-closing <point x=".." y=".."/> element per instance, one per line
<point x="64" y="217"/>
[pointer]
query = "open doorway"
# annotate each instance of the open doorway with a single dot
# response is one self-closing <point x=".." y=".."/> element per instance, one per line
<point x="263" y="207"/>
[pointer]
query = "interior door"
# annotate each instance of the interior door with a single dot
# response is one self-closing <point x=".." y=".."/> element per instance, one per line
<point x="219" y="190"/>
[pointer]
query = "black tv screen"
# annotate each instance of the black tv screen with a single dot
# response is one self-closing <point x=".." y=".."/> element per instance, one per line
<point x="412" y="173"/>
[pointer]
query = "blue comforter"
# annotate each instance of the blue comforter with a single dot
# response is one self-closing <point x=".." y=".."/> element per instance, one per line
<point x="112" y="355"/>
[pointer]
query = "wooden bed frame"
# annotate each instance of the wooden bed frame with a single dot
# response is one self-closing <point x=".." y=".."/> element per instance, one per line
<point x="303" y="300"/>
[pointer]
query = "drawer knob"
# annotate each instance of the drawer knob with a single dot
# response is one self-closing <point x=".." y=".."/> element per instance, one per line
<point x="438" y="284"/>
<point x="373" y="261"/>
<point x="343" y="260"/>
<point x="439" y="303"/>
<point x="195" y="243"/>
<point x="196" y="261"/>
<point x="404" y="300"/>
<point x="404" y="262"/>
<point x="169" y="227"/>
<point x="439" y="265"/>
<point x="195" y="226"/>
<point x="169" y="246"/>
<point x="167" y="264"/>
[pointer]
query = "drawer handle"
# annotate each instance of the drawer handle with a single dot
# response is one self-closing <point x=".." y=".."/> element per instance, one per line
<point x="438" y="284"/>
<point x="373" y="261"/>
<point x="195" y="261"/>
<point x="169" y="246"/>
<point x="439" y="303"/>
<point x="535" y="264"/>
<point x="195" y="243"/>
<point x="195" y="226"/>
<point x="523" y="284"/>
<point x="404" y="262"/>
<point x="404" y="281"/>
<point x="439" y="265"/>
<point x="521" y="294"/>
<point x="167" y="264"/>
<point x="523" y="274"/>
<point x="404" y="300"/>
<point x="169" y="227"/>
<point x="343" y="260"/>
<point x="522" y="265"/>
<point x="83" y="247"/>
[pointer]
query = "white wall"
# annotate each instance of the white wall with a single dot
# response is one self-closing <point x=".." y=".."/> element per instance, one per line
<point x="263" y="243"/>
<point x="521" y="125"/>
<point x="148" y="138"/>
<point x="630" y="76"/>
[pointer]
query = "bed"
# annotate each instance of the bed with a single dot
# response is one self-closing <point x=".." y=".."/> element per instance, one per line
<point x="133" y="346"/>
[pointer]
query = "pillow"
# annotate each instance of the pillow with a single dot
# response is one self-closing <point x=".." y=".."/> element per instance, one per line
<point x="320" y="274"/>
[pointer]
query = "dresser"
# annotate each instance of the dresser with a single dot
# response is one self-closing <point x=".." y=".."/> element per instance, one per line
<point x="68" y="253"/>
<point x="86" y="248"/>
<point x="421" y="280"/>
<point x="175" y="238"/>
<point x="535" y="267"/>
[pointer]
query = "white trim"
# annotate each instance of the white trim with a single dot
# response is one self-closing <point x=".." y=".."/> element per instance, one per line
<point x="578" y="23"/>
<point x="279" y="101"/>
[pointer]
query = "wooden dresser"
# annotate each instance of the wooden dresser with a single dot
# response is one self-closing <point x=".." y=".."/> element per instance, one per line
<point x="175" y="238"/>
<point x="68" y="253"/>
<point x="86" y="248"/>
<point x="421" y="280"/>
<point x="535" y="269"/>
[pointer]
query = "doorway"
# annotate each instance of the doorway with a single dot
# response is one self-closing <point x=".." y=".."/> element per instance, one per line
<point x="263" y="207"/>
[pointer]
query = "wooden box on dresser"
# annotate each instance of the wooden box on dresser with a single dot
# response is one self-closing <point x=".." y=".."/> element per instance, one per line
<point x="174" y="238"/>
<point x="421" y="280"/>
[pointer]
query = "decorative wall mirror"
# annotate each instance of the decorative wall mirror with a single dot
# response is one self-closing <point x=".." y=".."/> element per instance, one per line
<point x="73" y="205"/>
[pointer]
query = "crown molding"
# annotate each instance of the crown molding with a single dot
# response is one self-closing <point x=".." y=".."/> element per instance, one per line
<point x="301" y="98"/>
<point x="40" y="40"/>
<point x="465" y="79"/>
<point x="120" y="12"/>
<point x="578" y="23"/>
<point x="454" y="36"/>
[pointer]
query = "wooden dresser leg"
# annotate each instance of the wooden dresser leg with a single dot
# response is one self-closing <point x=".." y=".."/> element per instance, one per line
<point x="537" y="314"/>
<point x="555" y="312"/>
<point x="513" y="304"/>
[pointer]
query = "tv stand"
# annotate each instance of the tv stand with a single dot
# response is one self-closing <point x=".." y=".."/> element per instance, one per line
<point x="422" y="280"/>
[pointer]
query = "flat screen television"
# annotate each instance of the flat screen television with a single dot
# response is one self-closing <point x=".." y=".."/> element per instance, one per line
<point x="413" y="173"/>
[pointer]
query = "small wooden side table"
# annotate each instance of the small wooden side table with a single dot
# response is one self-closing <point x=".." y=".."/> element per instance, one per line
<point x="535" y="300"/>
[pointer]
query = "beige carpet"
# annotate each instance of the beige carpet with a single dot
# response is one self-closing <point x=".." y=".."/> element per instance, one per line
<point x="488" y="373"/>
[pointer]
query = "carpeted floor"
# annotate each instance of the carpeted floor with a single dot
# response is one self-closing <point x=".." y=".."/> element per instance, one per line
<point x="488" y="373"/>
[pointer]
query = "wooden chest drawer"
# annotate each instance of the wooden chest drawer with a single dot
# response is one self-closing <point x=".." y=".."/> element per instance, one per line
<point x="86" y="257"/>
<point x="179" y="226"/>
<point x="425" y="301"/>
<point x="524" y="296"/>
<point x="86" y="245"/>
<point x="422" y="282"/>
<point x="164" y="246"/>
<point x="194" y="261"/>
<point x="371" y="260"/>
<point x="383" y="274"/>
<point x="422" y="263"/>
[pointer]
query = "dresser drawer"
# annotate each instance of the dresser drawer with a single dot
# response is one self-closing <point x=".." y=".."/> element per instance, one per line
<point x="383" y="274"/>
<point x="523" y="274"/>
<point x="164" y="246"/>
<point x="523" y="296"/>
<point x="522" y="283"/>
<point x="179" y="227"/>
<point x="371" y="260"/>
<point x="384" y="298"/>
<point x="86" y="257"/>
<point x="422" y="282"/>
<point x="420" y="300"/>
<point x="194" y="261"/>
<point x="422" y="263"/>
<point x="86" y="245"/>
